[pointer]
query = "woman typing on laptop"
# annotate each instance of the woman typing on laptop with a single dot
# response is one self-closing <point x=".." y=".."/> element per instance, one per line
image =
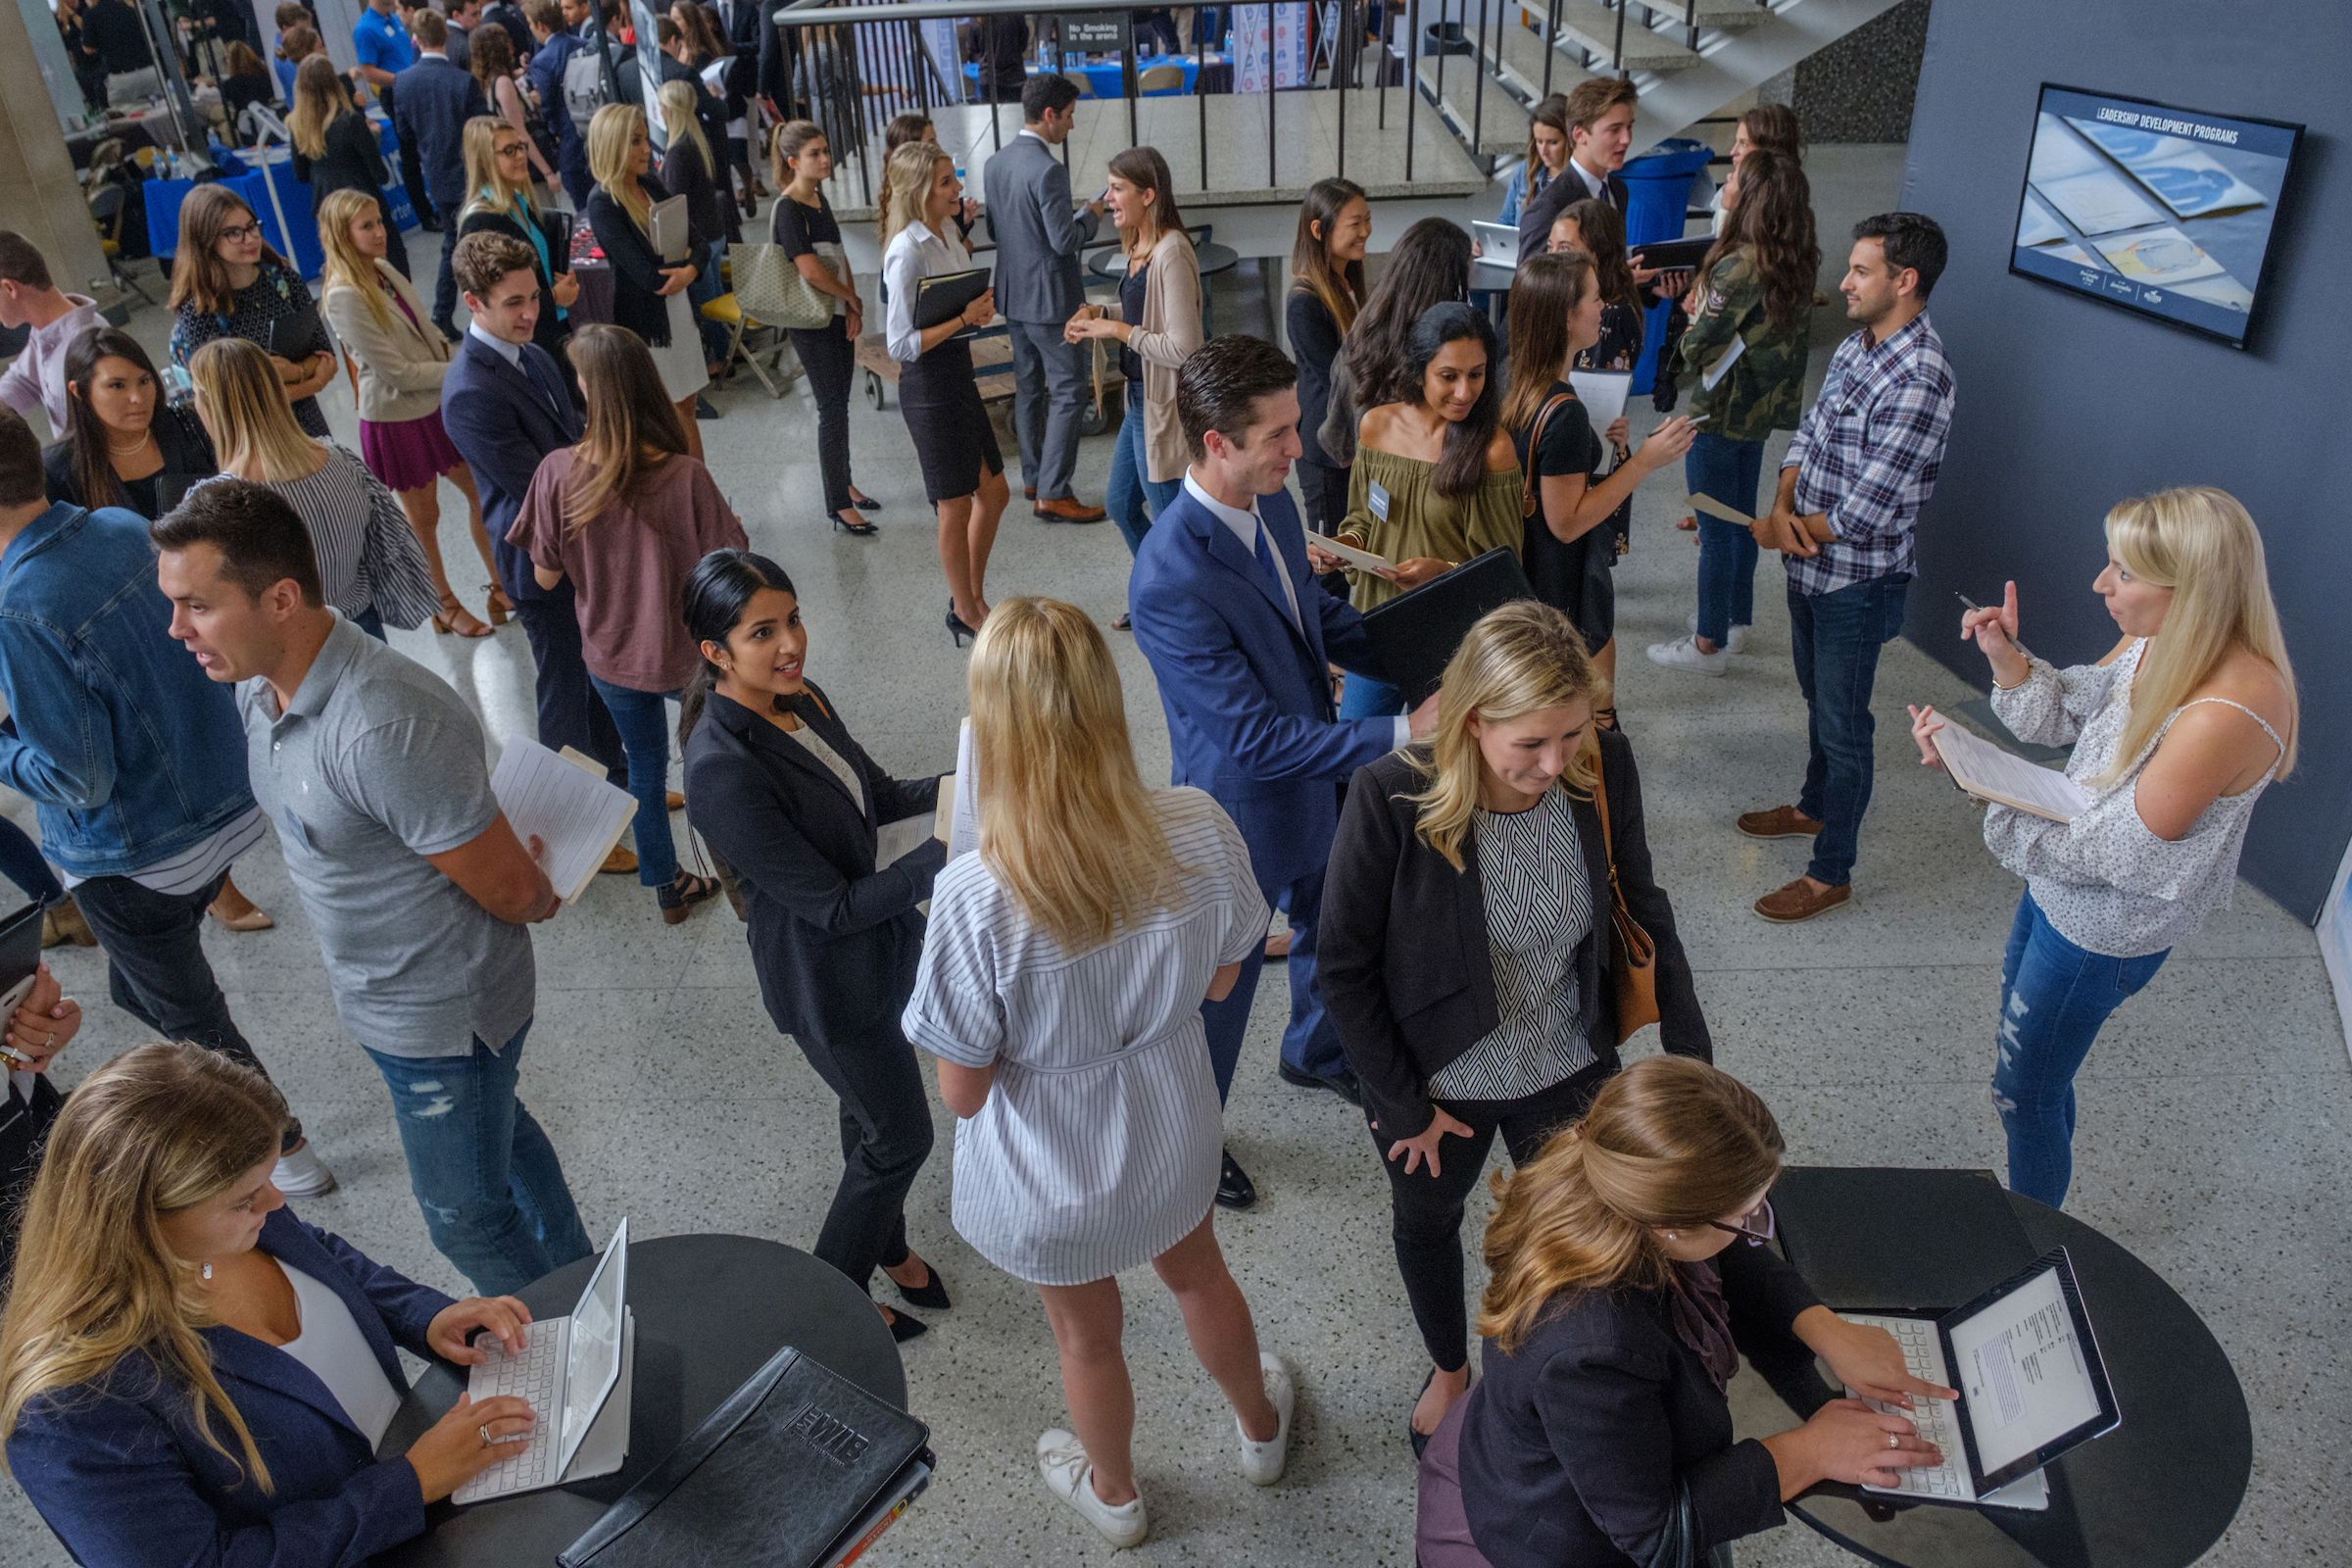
<point x="187" y="1372"/>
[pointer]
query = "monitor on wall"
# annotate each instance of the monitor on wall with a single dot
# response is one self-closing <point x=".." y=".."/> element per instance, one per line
<point x="2166" y="212"/>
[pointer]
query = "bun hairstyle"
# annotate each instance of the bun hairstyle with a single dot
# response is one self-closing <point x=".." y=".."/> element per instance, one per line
<point x="717" y="596"/>
<point x="1669" y="1143"/>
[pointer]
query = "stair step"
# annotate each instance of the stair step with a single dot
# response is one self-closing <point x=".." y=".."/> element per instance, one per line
<point x="1500" y="117"/>
<point x="1594" y="26"/>
<point x="1515" y="53"/>
<point x="1726" y="16"/>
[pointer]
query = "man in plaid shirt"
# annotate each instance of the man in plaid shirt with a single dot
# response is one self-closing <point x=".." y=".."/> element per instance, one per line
<point x="1856" y="473"/>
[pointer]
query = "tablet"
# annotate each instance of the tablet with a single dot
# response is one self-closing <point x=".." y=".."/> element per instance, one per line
<point x="2032" y="1382"/>
<point x="1672" y="254"/>
<point x="20" y="957"/>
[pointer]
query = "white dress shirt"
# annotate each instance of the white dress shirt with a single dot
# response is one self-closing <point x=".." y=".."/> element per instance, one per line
<point x="915" y="253"/>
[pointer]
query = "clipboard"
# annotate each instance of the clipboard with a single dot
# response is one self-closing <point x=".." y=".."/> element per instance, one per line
<point x="944" y="298"/>
<point x="1416" y="632"/>
<point x="1981" y="768"/>
<point x="559" y="254"/>
<point x="667" y="226"/>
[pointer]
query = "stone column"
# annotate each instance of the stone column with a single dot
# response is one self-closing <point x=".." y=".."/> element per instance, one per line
<point x="40" y="197"/>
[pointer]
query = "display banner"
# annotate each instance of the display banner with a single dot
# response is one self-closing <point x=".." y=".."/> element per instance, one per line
<point x="1253" y="49"/>
<point x="938" y="42"/>
<point x="1291" y="67"/>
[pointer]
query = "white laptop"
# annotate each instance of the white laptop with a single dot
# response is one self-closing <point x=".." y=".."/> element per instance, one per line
<point x="2031" y="1386"/>
<point x="1497" y="243"/>
<point x="575" y="1371"/>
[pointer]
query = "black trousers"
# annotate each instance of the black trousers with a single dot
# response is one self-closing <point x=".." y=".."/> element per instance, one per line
<point x="156" y="969"/>
<point x="831" y="360"/>
<point x="411" y="173"/>
<point x="570" y="713"/>
<point x="1426" y="1211"/>
<point x="885" y="1137"/>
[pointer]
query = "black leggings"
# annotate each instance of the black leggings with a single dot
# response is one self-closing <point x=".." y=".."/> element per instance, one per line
<point x="885" y="1137"/>
<point x="830" y="359"/>
<point x="1427" y="1210"/>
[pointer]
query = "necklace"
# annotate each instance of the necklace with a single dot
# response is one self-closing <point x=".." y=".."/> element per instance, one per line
<point x="132" y="449"/>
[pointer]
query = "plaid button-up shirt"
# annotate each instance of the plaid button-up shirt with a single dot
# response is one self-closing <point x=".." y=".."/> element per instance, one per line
<point x="1867" y="452"/>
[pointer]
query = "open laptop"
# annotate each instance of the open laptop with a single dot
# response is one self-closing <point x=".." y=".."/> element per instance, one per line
<point x="1497" y="243"/>
<point x="2032" y="1387"/>
<point x="575" y="1372"/>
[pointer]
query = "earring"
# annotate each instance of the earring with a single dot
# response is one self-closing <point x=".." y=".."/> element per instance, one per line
<point x="207" y="1271"/>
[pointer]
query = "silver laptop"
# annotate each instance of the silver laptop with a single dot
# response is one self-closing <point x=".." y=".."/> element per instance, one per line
<point x="575" y="1372"/>
<point x="1497" y="243"/>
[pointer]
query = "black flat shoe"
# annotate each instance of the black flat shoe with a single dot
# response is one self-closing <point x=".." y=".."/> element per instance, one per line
<point x="1341" y="1083"/>
<point x="932" y="1293"/>
<point x="870" y="504"/>
<point x="859" y="530"/>
<point x="1235" y="1189"/>
<point x="956" y="626"/>
<point x="903" y="1328"/>
<point x="1420" y="1439"/>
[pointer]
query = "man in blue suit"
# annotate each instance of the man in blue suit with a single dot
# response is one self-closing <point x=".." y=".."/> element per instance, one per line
<point x="431" y="102"/>
<point x="1241" y="639"/>
<point x="504" y="405"/>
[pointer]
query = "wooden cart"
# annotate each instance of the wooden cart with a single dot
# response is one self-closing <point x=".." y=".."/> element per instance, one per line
<point x="992" y="367"/>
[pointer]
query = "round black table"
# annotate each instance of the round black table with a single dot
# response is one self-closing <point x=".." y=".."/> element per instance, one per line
<point x="711" y="1310"/>
<point x="2155" y="1492"/>
<point x="1109" y="264"/>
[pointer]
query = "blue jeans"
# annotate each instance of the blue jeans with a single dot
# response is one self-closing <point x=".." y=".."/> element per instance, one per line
<point x="485" y="1176"/>
<point x="706" y="286"/>
<point x="1134" y="499"/>
<point x="1834" y="639"/>
<point x="1726" y="469"/>
<point x="21" y="863"/>
<point x="2054" y="996"/>
<point x="644" y="726"/>
<point x="1365" y="698"/>
<point x="1310" y="1042"/>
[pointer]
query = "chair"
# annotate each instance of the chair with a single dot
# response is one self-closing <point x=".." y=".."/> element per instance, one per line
<point x="728" y="314"/>
<point x="1160" y="78"/>
<point x="1082" y="81"/>
<point x="106" y="213"/>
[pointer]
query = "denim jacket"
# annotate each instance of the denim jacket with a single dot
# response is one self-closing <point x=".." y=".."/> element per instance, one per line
<point x="113" y="731"/>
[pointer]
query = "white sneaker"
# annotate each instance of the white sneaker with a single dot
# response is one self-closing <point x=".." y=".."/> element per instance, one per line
<point x="1262" y="1463"/>
<point x="1736" y="643"/>
<point x="1683" y="653"/>
<point x="1068" y="1474"/>
<point x="301" y="1174"/>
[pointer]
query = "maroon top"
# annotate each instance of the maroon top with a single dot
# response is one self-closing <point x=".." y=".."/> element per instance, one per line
<point x="629" y="565"/>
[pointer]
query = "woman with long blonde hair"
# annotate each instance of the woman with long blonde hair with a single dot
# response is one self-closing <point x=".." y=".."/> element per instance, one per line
<point x="690" y="167"/>
<point x="2176" y="733"/>
<point x="1504" y="834"/>
<point x="649" y="294"/>
<point x="336" y="147"/>
<point x="1626" y="1274"/>
<point x="498" y="175"/>
<point x="400" y="361"/>
<point x="1061" y="991"/>
<point x="171" y="1328"/>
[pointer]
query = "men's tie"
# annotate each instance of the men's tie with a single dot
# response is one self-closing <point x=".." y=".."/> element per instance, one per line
<point x="1273" y="570"/>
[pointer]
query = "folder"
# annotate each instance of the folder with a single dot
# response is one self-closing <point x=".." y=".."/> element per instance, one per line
<point x="1415" y="633"/>
<point x="945" y="297"/>
<point x="1984" y="771"/>
<point x="668" y="227"/>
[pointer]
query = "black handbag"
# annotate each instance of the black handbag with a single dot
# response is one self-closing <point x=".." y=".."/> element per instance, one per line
<point x="1678" y="1544"/>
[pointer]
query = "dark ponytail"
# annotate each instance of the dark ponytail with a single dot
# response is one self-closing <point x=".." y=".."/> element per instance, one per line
<point x="717" y="596"/>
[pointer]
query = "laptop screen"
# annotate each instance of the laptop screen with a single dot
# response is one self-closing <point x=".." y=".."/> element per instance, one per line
<point x="596" y="1325"/>
<point x="2022" y="1370"/>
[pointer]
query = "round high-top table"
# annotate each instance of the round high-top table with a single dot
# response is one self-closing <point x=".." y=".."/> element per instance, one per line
<point x="711" y="1310"/>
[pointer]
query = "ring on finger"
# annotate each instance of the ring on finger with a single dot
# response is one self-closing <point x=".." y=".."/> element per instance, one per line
<point x="1894" y="1442"/>
<point x="485" y="1431"/>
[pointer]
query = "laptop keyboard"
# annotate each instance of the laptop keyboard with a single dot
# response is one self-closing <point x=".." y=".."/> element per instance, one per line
<point x="1935" y="1419"/>
<point x="535" y="1377"/>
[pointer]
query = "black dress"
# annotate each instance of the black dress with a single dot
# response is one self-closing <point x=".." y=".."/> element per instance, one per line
<point x="350" y="160"/>
<point x="1573" y="578"/>
<point x="1315" y="339"/>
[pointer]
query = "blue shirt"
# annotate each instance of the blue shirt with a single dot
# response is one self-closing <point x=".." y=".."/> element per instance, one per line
<point x="379" y="40"/>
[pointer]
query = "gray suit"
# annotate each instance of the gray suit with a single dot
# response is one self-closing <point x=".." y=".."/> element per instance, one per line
<point x="1038" y="236"/>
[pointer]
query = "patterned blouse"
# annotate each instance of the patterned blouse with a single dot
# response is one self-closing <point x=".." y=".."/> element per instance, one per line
<point x="277" y="295"/>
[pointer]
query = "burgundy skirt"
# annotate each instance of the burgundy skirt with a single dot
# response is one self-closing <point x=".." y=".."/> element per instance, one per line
<point x="408" y="454"/>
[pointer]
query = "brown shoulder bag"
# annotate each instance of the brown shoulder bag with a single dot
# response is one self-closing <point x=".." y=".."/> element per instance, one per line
<point x="1635" y="974"/>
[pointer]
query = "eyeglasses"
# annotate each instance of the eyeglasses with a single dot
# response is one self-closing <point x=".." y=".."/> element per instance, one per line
<point x="1757" y="1225"/>
<point x="511" y="149"/>
<point x="241" y="233"/>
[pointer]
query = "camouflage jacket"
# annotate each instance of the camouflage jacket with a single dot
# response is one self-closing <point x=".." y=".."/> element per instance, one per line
<point x="1765" y="388"/>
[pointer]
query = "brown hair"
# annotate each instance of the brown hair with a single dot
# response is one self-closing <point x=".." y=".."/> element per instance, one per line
<point x="297" y="43"/>
<point x="290" y="14"/>
<point x="1773" y="225"/>
<point x="1594" y="97"/>
<point x="543" y="14"/>
<point x="1775" y="129"/>
<point x="1553" y="111"/>
<point x="93" y="471"/>
<point x="319" y="100"/>
<point x="902" y="130"/>
<point x="490" y="55"/>
<point x="21" y="261"/>
<point x="628" y="411"/>
<point x="23" y="481"/>
<point x="1601" y="234"/>
<point x="792" y="135"/>
<point x="1551" y="287"/>
<point x="1143" y="166"/>
<point x="243" y="62"/>
<point x="430" y="27"/>
<point x="486" y="255"/>
<point x="1670" y="1142"/>
<point x="199" y="277"/>
<point x="1341" y="291"/>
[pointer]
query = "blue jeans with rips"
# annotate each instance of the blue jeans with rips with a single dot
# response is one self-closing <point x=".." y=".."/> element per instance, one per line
<point x="1834" y="639"/>
<point x="2054" y="998"/>
<point x="487" y="1179"/>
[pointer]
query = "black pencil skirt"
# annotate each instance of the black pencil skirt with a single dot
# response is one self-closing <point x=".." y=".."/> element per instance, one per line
<point x="953" y="438"/>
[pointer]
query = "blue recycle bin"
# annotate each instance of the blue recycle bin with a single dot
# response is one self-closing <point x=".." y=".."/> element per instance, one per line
<point x="1658" y="186"/>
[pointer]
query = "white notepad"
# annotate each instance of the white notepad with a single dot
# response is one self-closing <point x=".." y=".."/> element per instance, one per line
<point x="1602" y="393"/>
<point x="964" y="821"/>
<point x="1984" y="771"/>
<point x="1362" y="559"/>
<point x="566" y="800"/>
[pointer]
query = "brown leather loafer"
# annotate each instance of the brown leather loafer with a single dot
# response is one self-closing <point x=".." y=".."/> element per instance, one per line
<point x="620" y="862"/>
<point x="1068" y="508"/>
<point x="1798" y="902"/>
<point x="1781" y="822"/>
<point x="1028" y="492"/>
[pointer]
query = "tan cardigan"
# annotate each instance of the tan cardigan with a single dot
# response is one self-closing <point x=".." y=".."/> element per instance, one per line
<point x="400" y="370"/>
<point x="1163" y="340"/>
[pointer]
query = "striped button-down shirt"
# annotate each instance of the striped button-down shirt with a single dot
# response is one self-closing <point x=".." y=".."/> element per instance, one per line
<point x="1867" y="453"/>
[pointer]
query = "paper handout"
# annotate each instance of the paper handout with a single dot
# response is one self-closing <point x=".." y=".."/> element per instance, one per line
<point x="576" y="815"/>
<point x="1362" y="559"/>
<point x="1721" y="367"/>
<point x="894" y="840"/>
<point x="964" y="825"/>
<point x="1716" y="508"/>
<point x="1602" y="393"/>
<point x="1991" y="773"/>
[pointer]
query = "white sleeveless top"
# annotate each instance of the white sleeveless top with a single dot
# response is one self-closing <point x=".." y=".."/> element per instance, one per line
<point x="2106" y="882"/>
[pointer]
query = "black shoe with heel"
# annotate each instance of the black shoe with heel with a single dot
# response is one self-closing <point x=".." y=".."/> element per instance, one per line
<point x="859" y="530"/>
<point x="932" y="1293"/>
<point x="677" y="901"/>
<point x="956" y="626"/>
<point x="903" y="1328"/>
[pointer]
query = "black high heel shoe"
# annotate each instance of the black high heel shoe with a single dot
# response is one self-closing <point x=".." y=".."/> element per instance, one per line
<point x="932" y="1293"/>
<point x="903" y="1328"/>
<point x="859" y="530"/>
<point x="870" y="504"/>
<point x="956" y="626"/>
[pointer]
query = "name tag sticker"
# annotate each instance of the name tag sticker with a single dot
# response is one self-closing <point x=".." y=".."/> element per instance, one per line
<point x="1379" y="500"/>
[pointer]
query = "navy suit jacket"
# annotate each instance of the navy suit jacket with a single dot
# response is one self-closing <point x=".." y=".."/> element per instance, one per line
<point x="1246" y="690"/>
<point x="125" y="1477"/>
<point x="503" y="420"/>
<point x="431" y="101"/>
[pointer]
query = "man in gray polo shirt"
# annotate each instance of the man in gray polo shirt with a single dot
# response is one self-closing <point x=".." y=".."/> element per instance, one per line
<point x="372" y="770"/>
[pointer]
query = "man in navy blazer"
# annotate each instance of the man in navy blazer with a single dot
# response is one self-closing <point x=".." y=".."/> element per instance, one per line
<point x="1241" y="639"/>
<point x="505" y="407"/>
<point x="431" y="101"/>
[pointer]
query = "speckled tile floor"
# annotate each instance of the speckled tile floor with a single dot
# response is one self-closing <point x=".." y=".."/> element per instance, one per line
<point x="2213" y="1112"/>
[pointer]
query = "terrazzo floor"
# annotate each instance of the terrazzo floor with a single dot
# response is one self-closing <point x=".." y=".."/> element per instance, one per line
<point x="2213" y="1112"/>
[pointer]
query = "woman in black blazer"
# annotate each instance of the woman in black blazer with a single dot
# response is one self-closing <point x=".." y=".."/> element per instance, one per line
<point x="783" y="795"/>
<point x="1466" y="949"/>
<point x="649" y="294"/>
<point x="1628" y="1274"/>
<point x="123" y="445"/>
<point x="336" y="147"/>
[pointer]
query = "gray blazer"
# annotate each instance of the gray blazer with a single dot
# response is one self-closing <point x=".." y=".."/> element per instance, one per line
<point x="1037" y="234"/>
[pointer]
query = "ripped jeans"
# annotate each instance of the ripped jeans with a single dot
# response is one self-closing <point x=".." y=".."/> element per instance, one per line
<point x="2055" y="997"/>
<point x="485" y="1176"/>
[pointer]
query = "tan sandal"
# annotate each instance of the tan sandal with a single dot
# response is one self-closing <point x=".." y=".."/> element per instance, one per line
<point x="454" y="617"/>
<point x="500" y="606"/>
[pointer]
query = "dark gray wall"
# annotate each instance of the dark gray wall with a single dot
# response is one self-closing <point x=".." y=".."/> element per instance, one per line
<point x="2067" y="406"/>
<point x="1860" y="88"/>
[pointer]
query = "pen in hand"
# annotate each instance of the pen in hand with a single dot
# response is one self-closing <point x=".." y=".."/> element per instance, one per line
<point x="1966" y="602"/>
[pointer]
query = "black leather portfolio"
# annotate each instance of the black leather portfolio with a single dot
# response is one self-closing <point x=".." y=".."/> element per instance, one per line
<point x="1416" y="632"/>
<point x="798" y="1469"/>
<point x="948" y="296"/>
<point x="1876" y="1239"/>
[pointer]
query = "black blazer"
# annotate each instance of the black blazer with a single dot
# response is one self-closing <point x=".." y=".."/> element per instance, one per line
<point x="835" y="941"/>
<point x="550" y="330"/>
<point x="636" y="264"/>
<point x="1315" y="338"/>
<point x="187" y="459"/>
<point x="1540" y="210"/>
<point x="709" y="211"/>
<point x="350" y="160"/>
<point x="1403" y="959"/>
<point x="1604" y="1380"/>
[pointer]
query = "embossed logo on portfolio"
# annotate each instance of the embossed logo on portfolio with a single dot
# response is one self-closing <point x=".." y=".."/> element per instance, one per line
<point x="831" y="1438"/>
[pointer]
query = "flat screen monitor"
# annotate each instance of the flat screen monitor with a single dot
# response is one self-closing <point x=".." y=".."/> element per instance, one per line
<point x="2162" y="211"/>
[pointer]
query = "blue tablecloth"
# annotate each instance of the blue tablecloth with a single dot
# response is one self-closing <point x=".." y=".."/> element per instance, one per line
<point x="242" y="173"/>
<point x="1105" y="78"/>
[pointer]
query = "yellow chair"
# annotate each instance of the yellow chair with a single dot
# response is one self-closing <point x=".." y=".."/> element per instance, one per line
<point x="729" y="315"/>
<point x="1160" y="78"/>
